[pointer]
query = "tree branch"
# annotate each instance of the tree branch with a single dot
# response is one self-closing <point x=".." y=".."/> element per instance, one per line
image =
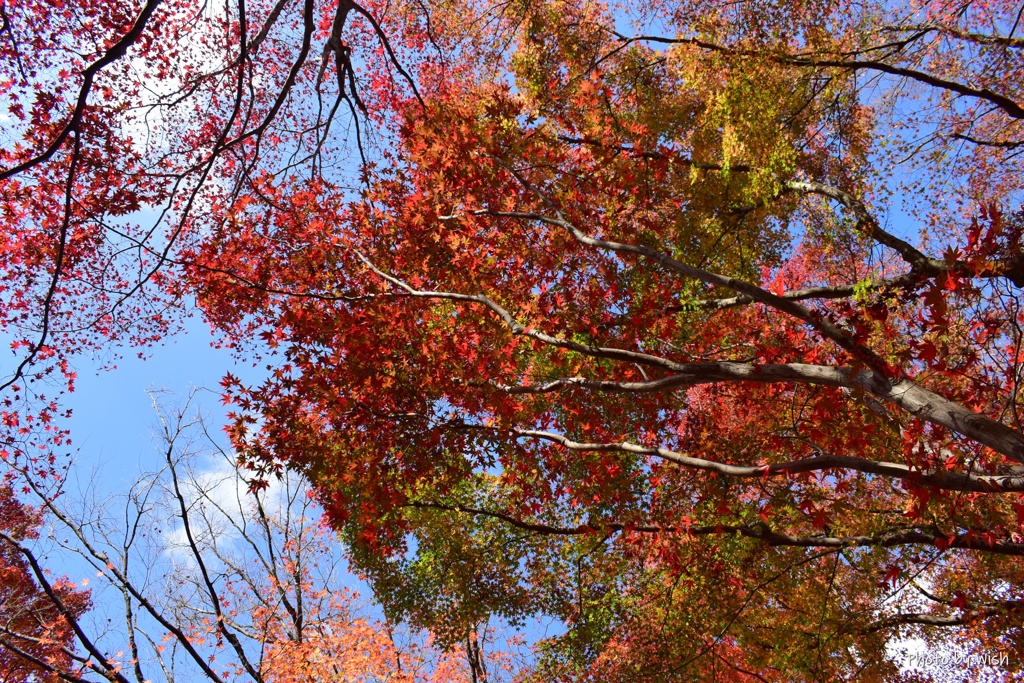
<point x="1011" y="107"/>
<point x="828" y="329"/>
<point x="905" y="393"/>
<point x="760" y="531"/>
<point x="939" y="479"/>
<point x="110" y="670"/>
<point x="968" y="616"/>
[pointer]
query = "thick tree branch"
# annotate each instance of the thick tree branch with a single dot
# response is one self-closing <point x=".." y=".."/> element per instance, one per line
<point x="905" y="393"/>
<point x="272" y="18"/>
<point x="988" y="143"/>
<point x="867" y="224"/>
<point x="826" y="328"/>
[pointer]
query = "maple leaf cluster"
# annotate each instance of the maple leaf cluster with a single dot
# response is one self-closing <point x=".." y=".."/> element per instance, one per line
<point x="35" y="637"/>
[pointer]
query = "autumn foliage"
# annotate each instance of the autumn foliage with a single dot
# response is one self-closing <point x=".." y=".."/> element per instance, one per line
<point x="214" y="584"/>
<point x="695" y="326"/>
<point x="36" y="640"/>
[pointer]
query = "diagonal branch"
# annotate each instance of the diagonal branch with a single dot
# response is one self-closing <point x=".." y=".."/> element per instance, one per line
<point x="905" y="393"/>
<point x="867" y="224"/>
<point x="970" y="36"/>
<point x="124" y="583"/>
<point x="215" y="598"/>
<point x="826" y="328"/>
<point x="968" y="616"/>
<point x="111" y="670"/>
<point x="939" y="479"/>
<point x="41" y="663"/>
<point x="116" y="51"/>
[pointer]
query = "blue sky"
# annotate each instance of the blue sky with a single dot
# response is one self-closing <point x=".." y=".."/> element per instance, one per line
<point x="113" y="417"/>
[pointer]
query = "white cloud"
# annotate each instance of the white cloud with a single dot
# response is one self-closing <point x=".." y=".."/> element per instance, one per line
<point x="222" y="511"/>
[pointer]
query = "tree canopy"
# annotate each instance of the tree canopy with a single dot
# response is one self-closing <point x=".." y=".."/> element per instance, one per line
<point x="694" y="325"/>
